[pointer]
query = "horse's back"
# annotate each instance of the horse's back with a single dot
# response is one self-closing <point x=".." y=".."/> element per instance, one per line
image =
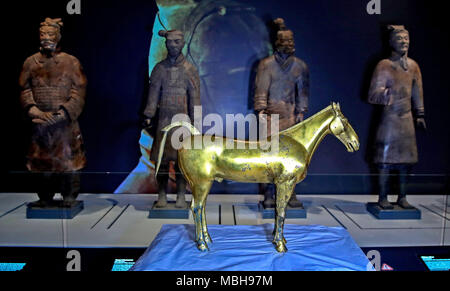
<point x="240" y="161"/>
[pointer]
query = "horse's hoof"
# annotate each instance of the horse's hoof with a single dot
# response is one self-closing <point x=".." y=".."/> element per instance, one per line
<point x="276" y="242"/>
<point x="281" y="247"/>
<point x="203" y="247"/>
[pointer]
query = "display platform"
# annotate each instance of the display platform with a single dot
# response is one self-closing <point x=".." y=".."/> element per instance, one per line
<point x="121" y="221"/>
<point x="170" y="212"/>
<point x="250" y="248"/>
<point x="291" y="213"/>
<point x="396" y="213"/>
<point x="55" y="211"/>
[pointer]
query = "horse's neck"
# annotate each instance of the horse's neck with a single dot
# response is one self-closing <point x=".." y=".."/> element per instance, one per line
<point x="312" y="131"/>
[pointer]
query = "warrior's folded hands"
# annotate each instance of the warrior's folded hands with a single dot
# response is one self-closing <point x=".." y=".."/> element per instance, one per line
<point x="39" y="116"/>
<point x="47" y="118"/>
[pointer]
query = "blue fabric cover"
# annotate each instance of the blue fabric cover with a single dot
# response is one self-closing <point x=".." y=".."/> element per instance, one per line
<point x="250" y="248"/>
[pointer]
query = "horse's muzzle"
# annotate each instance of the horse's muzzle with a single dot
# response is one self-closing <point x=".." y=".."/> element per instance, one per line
<point x="353" y="146"/>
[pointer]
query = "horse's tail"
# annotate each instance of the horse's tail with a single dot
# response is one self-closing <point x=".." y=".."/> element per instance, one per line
<point x="165" y="130"/>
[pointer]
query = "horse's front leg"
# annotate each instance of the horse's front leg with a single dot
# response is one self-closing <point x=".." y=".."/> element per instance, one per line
<point x="196" y="213"/>
<point x="206" y="235"/>
<point x="199" y="193"/>
<point x="284" y="192"/>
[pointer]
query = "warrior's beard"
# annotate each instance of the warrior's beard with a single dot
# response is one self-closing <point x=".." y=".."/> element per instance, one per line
<point x="402" y="57"/>
<point x="288" y="50"/>
<point x="404" y="61"/>
<point x="48" y="45"/>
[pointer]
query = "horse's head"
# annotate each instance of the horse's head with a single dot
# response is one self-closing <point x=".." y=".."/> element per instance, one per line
<point x="342" y="129"/>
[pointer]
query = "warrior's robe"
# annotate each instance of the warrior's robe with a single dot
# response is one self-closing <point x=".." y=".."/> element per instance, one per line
<point x="53" y="84"/>
<point x="395" y="141"/>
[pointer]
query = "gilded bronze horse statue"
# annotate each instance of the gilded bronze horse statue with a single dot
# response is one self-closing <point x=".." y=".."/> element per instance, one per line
<point x="246" y="163"/>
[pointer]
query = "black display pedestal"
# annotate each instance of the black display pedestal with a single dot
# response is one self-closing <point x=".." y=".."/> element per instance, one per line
<point x="169" y="212"/>
<point x="396" y="213"/>
<point x="296" y="213"/>
<point x="54" y="211"/>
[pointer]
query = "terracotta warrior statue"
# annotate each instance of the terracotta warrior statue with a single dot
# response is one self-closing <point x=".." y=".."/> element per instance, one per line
<point x="282" y="87"/>
<point x="397" y="87"/>
<point x="53" y="96"/>
<point x="174" y="89"/>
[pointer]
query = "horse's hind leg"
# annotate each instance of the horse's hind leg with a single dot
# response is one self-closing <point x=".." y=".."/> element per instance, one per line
<point x="199" y="193"/>
<point x="284" y="192"/>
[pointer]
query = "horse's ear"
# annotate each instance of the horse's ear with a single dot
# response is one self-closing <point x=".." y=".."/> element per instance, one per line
<point x="333" y="105"/>
<point x="338" y="106"/>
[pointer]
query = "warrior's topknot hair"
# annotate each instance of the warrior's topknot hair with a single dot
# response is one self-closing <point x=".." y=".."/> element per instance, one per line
<point x="394" y="29"/>
<point x="57" y="22"/>
<point x="279" y="22"/>
<point x="168" y="33"/>
<point x="162" y="33"/>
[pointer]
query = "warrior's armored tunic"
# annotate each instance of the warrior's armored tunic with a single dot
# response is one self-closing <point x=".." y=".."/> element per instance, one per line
<point x="282" y="87"/>
<point x="53" y="84"/>
<point x="174" y="89"/>
<point x="395" y="141"/>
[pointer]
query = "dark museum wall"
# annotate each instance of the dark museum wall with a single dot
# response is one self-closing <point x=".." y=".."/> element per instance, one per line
<point x="339" y="41"/>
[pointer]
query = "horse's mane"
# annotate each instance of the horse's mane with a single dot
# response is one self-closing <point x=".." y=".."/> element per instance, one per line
<point x="304" y="122"/>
